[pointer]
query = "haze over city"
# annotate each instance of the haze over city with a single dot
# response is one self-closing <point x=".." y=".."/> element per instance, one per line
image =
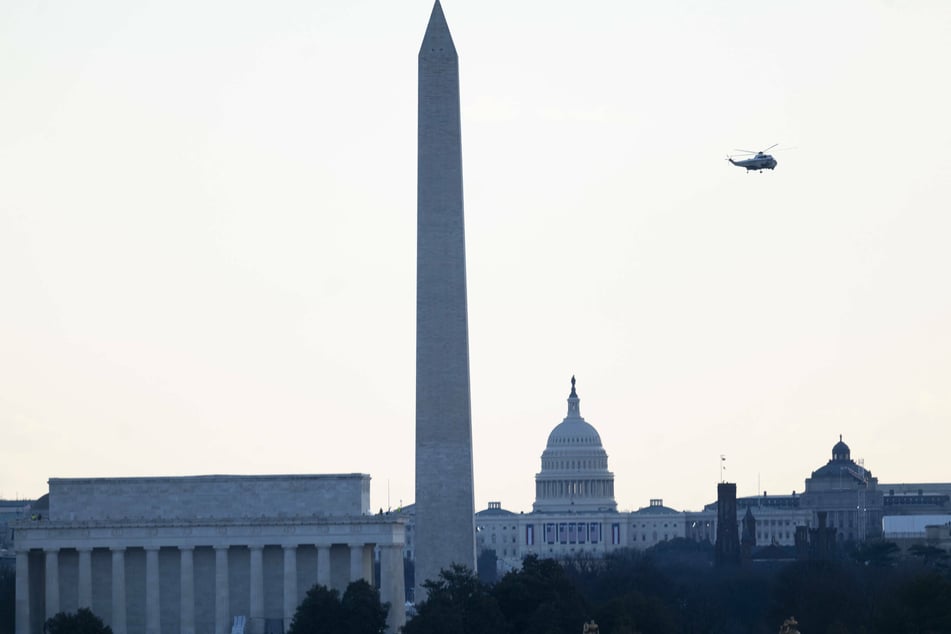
<point x="207" y="240"/>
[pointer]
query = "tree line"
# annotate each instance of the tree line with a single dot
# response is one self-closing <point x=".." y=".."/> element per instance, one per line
<point x="671" y="588"/>
<point x="675" y="588"/>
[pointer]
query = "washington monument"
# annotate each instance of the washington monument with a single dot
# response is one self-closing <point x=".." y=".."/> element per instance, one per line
<point x="445" y="532"/>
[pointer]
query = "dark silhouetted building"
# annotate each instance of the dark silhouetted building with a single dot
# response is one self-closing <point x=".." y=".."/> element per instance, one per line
<point x="748" y="541"/>
<point x="727" y="550"/>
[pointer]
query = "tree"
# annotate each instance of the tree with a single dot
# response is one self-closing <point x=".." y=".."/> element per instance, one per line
<point x="922" y="605"/>
<point x="820" y="593"/>
<point x="634" y="613"/>
<point x="929" y="555"/>
<point x="362" y="611"/>
<point x="320" y="612"/>
<point x="541" y="598"/>
<point x="324" y="612"/>
<point x="457" y="602"/>
<point x="82" y="622"/>
<point x="876" y="553"/>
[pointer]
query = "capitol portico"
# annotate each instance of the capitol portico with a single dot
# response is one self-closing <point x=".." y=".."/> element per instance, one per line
<point x="197" y="554"/>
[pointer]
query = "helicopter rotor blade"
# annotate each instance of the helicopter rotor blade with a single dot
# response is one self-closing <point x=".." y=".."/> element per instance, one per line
<point x="744" y="151"/>
<point x="770" y="147"/>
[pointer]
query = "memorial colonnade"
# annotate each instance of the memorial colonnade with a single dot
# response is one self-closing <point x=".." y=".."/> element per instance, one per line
<point x="188" y="578"/>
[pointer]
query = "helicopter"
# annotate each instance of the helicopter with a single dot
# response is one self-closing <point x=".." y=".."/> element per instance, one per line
<point x="760" y="161"/>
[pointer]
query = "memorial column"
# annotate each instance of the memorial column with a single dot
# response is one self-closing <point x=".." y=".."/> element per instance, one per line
<point x="323" y="566"/>
<point x="257" y="589"/>
<point x="356" y="562"/>
<point x="290" y="584"/>
<point x="52" y="581"/>
<point x="85" y="578"/>
<point x="118" y="591"/>
<point x="222" y="594"/>
<point x="22" y="592"/>
<point x="392" y="587"/>
<point x="187" y="589"/>
<point x="153" y="624"/>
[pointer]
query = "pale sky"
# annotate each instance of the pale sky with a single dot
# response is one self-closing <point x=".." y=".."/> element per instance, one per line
<point x="207" y="239"/>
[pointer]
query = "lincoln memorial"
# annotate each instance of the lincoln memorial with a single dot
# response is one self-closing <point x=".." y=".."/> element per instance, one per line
<point x="196" y="554"/>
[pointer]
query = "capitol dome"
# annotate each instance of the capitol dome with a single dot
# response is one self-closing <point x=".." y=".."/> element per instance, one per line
<point x="574" y="475"/>
<point x="573" y="432"/>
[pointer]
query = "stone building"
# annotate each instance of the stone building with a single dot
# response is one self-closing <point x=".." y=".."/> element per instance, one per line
<point x="193" y="554"/>
<point x="851" y="499"/>
<point x="728" y="533"/>
<point x="574" y="476"/>
<point x="842" y="489"/>
<point x="775" y="519"/>
<point x="10" y="511"/>
<point x="915" y="498"/>
<point x="849" y="495"/>
<point x="574" y="514"/>
<point x="656" y="523"/>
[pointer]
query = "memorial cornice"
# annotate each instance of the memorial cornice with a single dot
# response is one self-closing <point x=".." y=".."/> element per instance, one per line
<point x="196" y="533"/>
<point x="209" y="478"/>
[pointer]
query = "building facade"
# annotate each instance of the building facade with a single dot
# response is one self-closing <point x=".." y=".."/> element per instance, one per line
<point x="656" y="523"/>
<point x="849" y="495"/>
<point x="575" y="513"/>
<point x="775" y="519"/>
<point x="574" y="476"/>
<point x="10" y="512"/>
<point x="200" y="554"/>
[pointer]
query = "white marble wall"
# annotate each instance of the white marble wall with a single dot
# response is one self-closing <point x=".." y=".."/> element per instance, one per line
<point x="208" y="497"/>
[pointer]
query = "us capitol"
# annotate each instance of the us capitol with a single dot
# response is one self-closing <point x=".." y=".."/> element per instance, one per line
<point x="575" y="514"/>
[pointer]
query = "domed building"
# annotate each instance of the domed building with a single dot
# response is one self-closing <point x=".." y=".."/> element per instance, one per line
<point x="842" y="491"/>
<point x="574" y="514"/>
<point x="847" y="493"/>
<point x="858" y="507"/>
<point x="839" y="471"/>
<point x="574" y="475"/>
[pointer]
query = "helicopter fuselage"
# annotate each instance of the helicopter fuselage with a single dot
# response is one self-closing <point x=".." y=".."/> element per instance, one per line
<point x="759" y="162"/>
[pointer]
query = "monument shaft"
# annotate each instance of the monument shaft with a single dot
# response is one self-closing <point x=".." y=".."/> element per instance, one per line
<point x="445" y="532"/>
